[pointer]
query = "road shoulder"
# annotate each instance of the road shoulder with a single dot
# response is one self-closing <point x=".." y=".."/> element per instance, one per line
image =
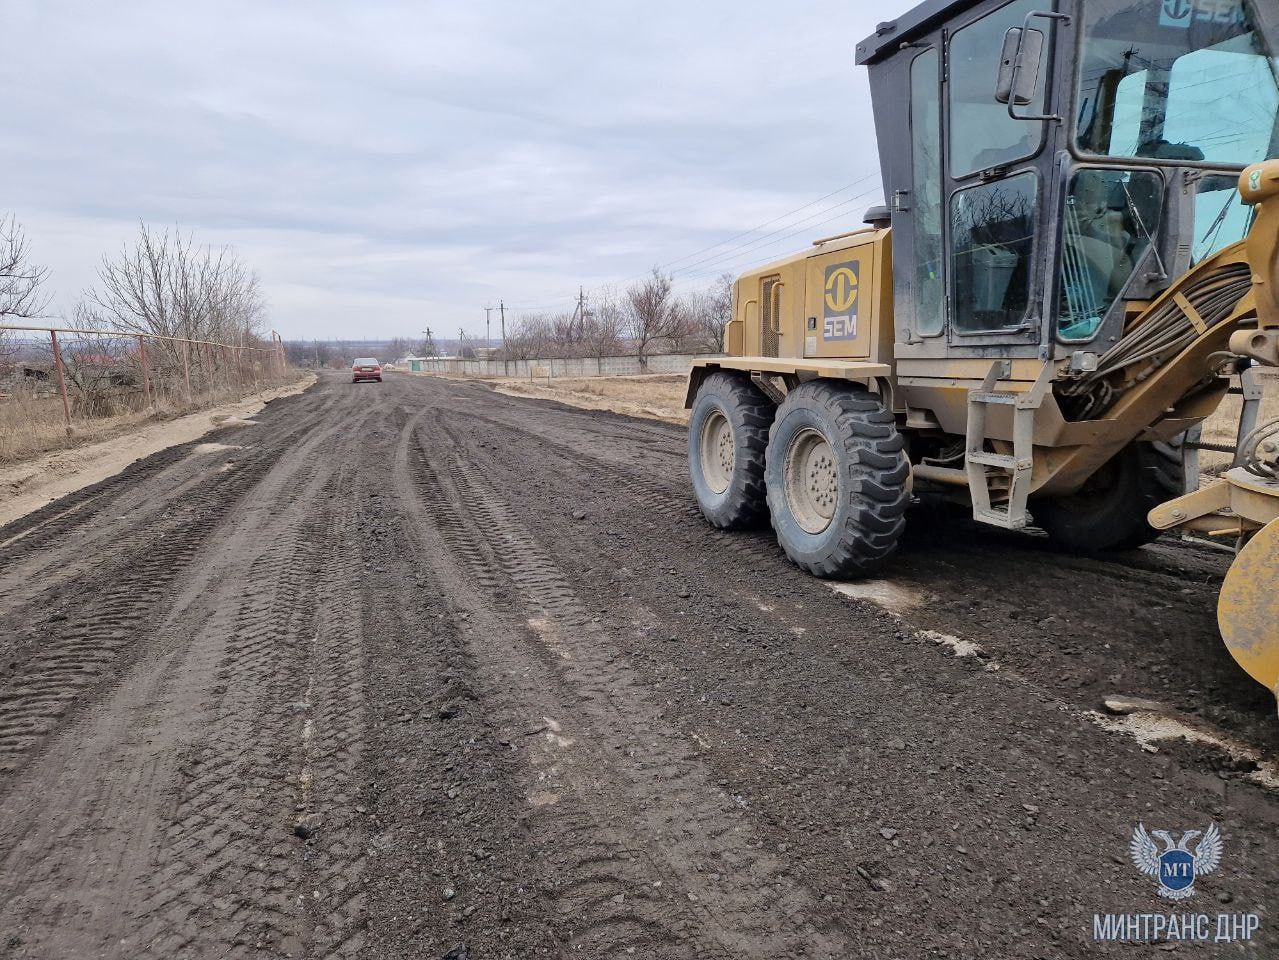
<point x="29" y="486"/>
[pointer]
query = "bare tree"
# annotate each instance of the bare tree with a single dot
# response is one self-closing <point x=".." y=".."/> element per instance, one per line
<point x="164" y="284"/>
<point x="530" y="337"/>
<point x="399" y="347"/>
<point x="604" y="327"/>
<point x="709" y="313"/>
<point x="20" y="280"/>
<point x="310" y="353"/>
<point x="653" y="314"/>
<point x="21" y="285"/>
<point x="565" y="336"/>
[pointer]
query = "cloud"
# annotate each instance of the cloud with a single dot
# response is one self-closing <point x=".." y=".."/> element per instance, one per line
<point x="391" y="164"/>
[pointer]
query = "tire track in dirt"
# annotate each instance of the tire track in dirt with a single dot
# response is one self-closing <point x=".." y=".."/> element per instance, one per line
<point x="1162" y="577"/>
<point x="73" y="652"/>
<point x="806" y="717"/>
<point x="444" y="769"/>
<point x="263" y="831"/>
<point x="216" y="879"/>
<point x="129" y="501"/>
<point x="64" y="857"/>
<point x="589" y="863"/>
<point x="574" y="429"/>
<point x="507" y="682"/>
<point x="332" y="750"/>
<point x="265" y="675"/>
<point x="741" y="898"/>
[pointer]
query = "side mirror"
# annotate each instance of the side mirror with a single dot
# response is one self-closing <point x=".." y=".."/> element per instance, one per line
<point x="1019" y="65"/>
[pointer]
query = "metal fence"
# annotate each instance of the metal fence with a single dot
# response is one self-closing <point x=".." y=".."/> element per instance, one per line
<point x="123" y="360"/>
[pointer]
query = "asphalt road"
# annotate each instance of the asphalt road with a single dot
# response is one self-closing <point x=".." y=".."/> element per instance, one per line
<point x="418" y="670"/>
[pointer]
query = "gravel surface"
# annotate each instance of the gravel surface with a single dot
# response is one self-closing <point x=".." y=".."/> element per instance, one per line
<point x="420" y="670"/>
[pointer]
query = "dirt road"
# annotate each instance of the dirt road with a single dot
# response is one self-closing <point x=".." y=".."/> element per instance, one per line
<point x="418" y="670"/>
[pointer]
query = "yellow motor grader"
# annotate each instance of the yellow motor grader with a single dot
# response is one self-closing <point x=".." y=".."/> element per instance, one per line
<point x="1076" y="264"/>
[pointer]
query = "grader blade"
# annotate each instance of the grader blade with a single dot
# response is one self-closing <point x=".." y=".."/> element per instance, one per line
<point x="1248" y="611"/>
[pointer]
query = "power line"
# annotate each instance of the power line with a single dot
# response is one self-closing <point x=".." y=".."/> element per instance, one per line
<point x="739" y="256"/>
<point x="727" y="254"/>
<point x="780" y="234"/>
<point x="746" y="259"/>
<point x="769" y="223"/>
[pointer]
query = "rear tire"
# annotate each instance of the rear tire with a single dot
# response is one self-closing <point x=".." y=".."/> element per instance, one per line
<point x="1109" y="511"/>
<point x="836" y="477"/>
<point x="727" y="440"/>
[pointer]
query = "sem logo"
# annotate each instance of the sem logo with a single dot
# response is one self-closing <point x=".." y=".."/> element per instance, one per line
<point x="841" y="293"/>
<point x="1181" y="13"/>
<point x="1176" y="13"/>
<point x="1176" y="868"/>
<point x="1254" y="181"/>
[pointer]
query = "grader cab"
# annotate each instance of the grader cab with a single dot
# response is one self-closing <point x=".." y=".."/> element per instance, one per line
<point x="1076" y="264"/>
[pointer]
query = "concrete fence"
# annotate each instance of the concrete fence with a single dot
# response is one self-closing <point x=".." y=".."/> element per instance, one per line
<point x="678" y="363"/>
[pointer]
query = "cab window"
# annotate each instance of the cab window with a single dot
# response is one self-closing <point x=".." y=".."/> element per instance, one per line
<point x="982" y="134"/>
<point x="1112" y="217"/>
<point x="992" y="232"/>
<point x="927" y="210"/>
<point x="1192" y="80"/>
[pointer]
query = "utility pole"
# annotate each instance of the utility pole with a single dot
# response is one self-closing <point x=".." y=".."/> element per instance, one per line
<point x="506" y="361"/>
<point x="488" y="338"/>
<point x="461" y="344"/>
<point x="429" y="346"/>
<point x="581" y="314"/>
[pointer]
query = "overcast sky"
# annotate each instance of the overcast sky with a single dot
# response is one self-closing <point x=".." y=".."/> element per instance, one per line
<point x="388" y="165"/>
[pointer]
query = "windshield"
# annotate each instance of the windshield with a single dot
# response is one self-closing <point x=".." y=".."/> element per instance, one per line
<point x="365" y="362"/>
<point x="1180" y="80"/>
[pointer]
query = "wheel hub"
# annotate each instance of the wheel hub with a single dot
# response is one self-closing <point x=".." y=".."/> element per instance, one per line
<point x="811" y="474"/>
<point x="718" y="452"/>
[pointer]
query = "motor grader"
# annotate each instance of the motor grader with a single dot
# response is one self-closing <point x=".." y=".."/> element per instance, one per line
<point x="1077" y="262"/>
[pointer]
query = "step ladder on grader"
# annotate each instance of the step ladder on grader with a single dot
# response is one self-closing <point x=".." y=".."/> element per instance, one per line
<point x="1076" y="265"/>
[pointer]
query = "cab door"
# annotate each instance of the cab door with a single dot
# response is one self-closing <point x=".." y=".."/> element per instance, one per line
<point x="996" y="176"/>
<point x="911" y="143"/>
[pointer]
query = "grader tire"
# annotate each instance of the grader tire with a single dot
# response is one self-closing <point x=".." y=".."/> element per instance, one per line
<point x="727" y="440"/>
<point x="1109" y="512"/>
<point x="837" y="480"/>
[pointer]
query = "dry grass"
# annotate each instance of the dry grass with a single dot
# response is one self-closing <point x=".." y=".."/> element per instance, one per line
<point x="655" y="397"/>
<point x="32" y="423"/>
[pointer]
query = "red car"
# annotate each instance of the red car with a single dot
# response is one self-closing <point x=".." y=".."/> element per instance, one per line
<point x="366" y="368"/>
